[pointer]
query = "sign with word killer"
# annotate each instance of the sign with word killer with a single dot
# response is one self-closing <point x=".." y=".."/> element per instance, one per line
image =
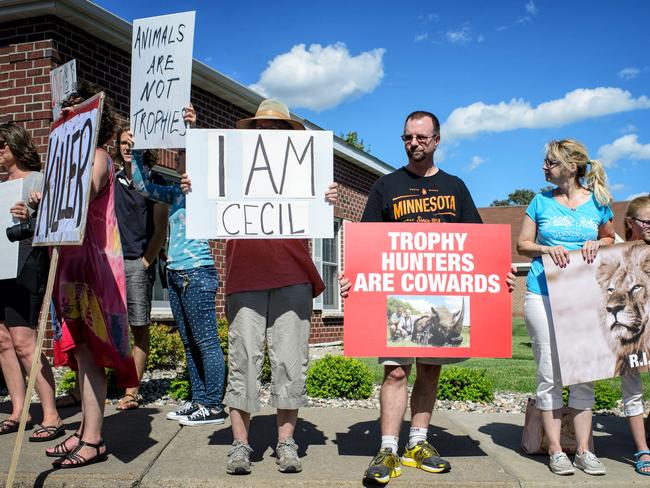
<point x="161" y="79"/>
<point x="68" y="174"/>
<point x="252" y="184"/>
<point x="427" y="290"/>
<point x="64" y="82"/>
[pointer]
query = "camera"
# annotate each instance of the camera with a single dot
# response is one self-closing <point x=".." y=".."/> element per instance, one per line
<point x="23" y="230"/>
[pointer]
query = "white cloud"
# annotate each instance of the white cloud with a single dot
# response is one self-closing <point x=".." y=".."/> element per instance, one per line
<point x="476" y="162"/>
<point x="617" y="186"/>
<point x="460" y="36"/>
<point x="531" y="8"/>
<point x="629" y="73"/>
<point x="427" y="18"/>
<point x="421" y="37"/>
<point x="208" y="59"/>
<point x="628" y="128"/>
<point x="501" y="28"/>
<point x="320" y="77"/>
<point x="580" y="104"/>
<point x="626" y="147"/>
<point x="480" y="38"/>
<point x="636" y="195"/>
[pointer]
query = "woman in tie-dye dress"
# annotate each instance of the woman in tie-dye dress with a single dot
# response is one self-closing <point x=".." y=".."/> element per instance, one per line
<point x="90" y="300"/>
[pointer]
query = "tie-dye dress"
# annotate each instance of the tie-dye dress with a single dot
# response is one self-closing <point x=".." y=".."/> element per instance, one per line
<point x="90" y="294"/>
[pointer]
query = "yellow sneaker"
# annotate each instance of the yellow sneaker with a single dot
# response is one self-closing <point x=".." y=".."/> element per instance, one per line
<point x="424" y="456"/>
<point x="384" y="466"/>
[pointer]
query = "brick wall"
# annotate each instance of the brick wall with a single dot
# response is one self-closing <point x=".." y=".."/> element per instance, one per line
<point x="30" y="48"/>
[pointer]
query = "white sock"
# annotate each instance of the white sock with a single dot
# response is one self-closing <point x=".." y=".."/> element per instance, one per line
<point x="417" y="434"/>
<point x="389" y="441"/>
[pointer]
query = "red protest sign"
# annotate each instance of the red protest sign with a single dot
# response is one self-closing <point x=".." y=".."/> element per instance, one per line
<point x="427" y="290"/>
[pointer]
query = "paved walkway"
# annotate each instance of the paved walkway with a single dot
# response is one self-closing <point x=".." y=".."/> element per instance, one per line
<point x="336" y="445"/>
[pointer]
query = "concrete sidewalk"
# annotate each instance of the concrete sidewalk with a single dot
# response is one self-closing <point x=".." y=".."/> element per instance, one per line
<point x="336" y="445"/>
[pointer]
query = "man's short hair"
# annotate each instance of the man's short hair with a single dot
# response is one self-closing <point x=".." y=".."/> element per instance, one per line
<point x="420" y="114"/>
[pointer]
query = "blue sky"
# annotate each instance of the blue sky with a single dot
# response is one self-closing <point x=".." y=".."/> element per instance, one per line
<point x="503" y="77"/>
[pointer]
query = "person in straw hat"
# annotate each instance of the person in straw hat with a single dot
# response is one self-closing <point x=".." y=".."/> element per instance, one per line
<point x="270" y="285"/>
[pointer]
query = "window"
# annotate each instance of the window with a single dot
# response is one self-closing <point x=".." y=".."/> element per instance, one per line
<point x="327" y="256"/>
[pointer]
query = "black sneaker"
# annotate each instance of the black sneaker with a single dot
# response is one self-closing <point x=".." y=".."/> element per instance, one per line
<point x="204" y="416"/>
<point x="186" y="409"/>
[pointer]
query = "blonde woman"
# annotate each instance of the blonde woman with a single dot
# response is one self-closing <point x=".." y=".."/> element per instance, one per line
<point x="637" y="228"/>
<point x="574" y="215"/>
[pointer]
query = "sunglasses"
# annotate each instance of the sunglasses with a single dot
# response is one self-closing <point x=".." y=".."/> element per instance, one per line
<point x="549" y="163"/>
<point x="3" y="144"/>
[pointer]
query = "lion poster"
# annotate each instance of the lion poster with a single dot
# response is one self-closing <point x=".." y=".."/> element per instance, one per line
<point x="601" y="312"/>
<point x="427" y="290"/>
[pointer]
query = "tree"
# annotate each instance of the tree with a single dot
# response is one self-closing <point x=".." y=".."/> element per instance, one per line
<point x="353" y="139"/>
<point x="521" y="196"/>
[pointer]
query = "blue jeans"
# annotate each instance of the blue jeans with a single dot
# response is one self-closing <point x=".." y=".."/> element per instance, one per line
<point x="192" y="295"/>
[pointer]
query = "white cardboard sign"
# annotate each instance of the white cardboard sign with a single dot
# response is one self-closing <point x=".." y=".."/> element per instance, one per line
<point x="64" y="82"/>
<point x="161" y="79"/>
<point x="67" y="177"/>
<point x="10" y="193"/>
<point x="252" y="184"/>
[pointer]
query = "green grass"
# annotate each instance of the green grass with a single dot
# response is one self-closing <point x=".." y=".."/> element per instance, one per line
<point x="512" y="374"/>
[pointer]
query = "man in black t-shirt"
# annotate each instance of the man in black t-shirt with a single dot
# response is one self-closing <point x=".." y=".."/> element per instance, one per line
<point x="417" y="192"/>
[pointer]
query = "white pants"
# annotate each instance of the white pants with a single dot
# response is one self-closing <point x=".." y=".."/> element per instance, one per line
<point x="539" y="322"/>
<point x="632" y="394"/>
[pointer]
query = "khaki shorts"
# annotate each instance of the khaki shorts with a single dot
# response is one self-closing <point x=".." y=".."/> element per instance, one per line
<point x="409" y="361"/>
<point x="282" y="316"/>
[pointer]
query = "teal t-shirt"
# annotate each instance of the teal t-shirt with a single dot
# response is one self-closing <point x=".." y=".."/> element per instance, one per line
<point x="558" y="225"/>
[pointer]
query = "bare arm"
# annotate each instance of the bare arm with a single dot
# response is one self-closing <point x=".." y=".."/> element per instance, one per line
<point x="100" y="173"/>
<point x="526" y="245"/>
<point x="160" y="215"/>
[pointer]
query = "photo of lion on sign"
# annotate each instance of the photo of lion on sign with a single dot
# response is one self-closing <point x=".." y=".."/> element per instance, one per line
<point x="601" y="313"/>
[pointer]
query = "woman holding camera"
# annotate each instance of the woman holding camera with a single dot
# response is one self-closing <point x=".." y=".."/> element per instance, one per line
<point x="21" y="298"/>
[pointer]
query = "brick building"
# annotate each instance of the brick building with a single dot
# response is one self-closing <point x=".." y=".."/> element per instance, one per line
<point x="36" y="37"/>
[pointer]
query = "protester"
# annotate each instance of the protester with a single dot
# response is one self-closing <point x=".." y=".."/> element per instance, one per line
<point x="574" y="215"/>
<point x="419" y="178"/>
<point x="21" y="298"/>
<point x="193" y="283"/>
<point x="90" y="299"/>
<point x="637" y="227"/>
<point x="270" y="284"/>
<point x="143" y="231"/>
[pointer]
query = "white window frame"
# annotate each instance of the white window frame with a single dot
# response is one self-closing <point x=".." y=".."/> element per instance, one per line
<point x="317" y="255"/>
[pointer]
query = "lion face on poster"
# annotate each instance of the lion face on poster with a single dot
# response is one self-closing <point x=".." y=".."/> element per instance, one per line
<point x="625" y="285"/>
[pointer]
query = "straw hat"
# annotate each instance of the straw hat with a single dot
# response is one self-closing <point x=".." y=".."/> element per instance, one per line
<point x="270" y="110"/>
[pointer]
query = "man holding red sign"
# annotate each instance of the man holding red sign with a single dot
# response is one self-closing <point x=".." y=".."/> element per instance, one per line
<point x="418" y="192"/>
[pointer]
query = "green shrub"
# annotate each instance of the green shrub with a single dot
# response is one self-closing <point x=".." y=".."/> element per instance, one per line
<point x="465" y="384"/>
<point x="165" y="348"/>
<point x="69" y="379"/>
<point x="339" y="377"/>
<point x="67" y="382"/>
<point x="180" y="388"/>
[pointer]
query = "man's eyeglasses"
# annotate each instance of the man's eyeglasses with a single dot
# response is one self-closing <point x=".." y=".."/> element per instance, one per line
<point x="3" y="144"/>
<point x="549" y="163"/>
<point x="419" y="138"/>
<point x="642" y="223"/>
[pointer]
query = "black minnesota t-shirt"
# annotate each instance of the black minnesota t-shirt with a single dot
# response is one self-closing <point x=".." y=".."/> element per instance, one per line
<point x="403" y="196"/>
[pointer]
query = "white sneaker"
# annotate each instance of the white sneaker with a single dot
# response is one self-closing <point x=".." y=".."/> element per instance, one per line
<point x="559" y="464"/>
<point x="589" y="463"/>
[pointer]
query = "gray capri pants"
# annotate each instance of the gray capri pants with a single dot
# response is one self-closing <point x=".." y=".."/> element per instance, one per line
<point x="283" y="315"/>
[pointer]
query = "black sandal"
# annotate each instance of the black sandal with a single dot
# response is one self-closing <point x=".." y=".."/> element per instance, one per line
<point x="60" y="450"/>
<point x="78" y="460"/>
